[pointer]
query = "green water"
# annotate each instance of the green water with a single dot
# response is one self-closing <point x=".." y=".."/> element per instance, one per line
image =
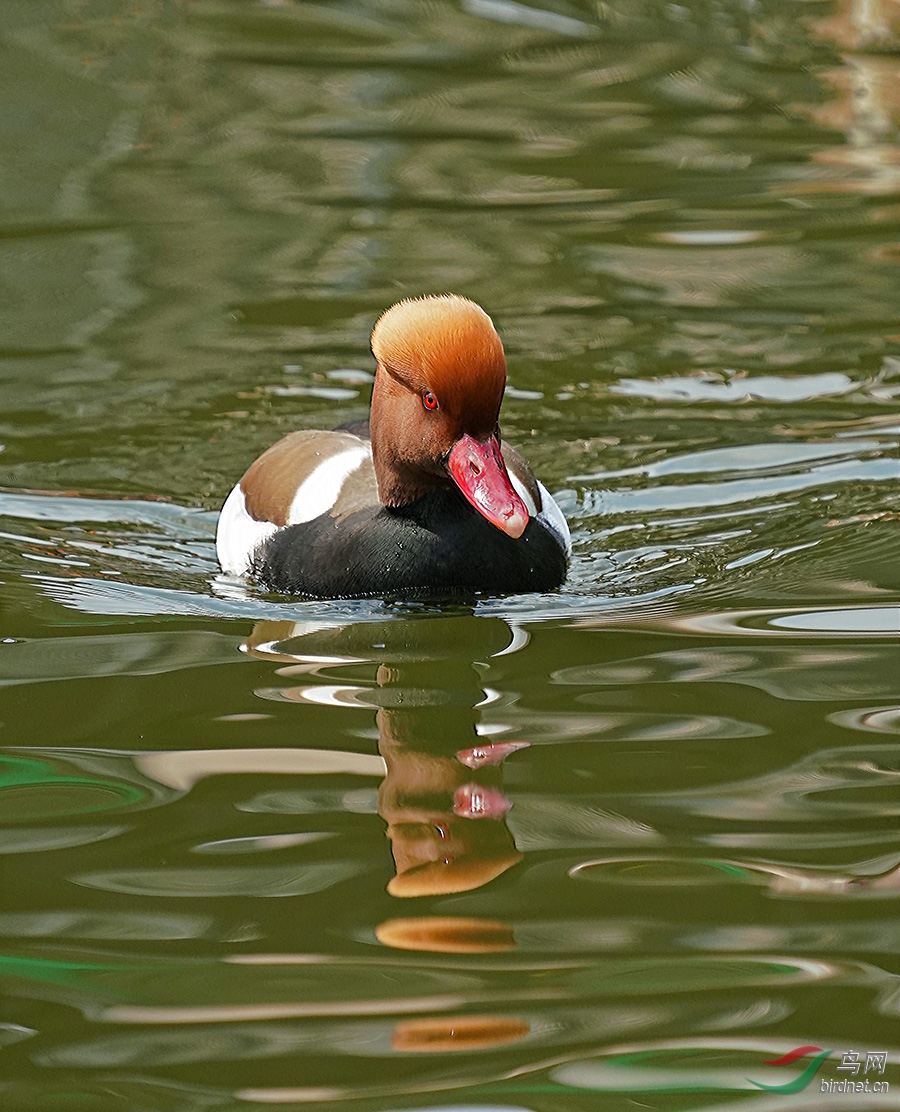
<point x="241" y="863"/>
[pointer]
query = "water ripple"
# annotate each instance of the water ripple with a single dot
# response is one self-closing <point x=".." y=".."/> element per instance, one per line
<point x="809" y="673"/>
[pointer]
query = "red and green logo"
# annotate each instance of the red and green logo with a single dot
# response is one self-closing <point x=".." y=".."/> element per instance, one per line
<point x="799" y="1083"/>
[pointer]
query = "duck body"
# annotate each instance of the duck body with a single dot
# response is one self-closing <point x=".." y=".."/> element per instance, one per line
<point x="424" y="502"/>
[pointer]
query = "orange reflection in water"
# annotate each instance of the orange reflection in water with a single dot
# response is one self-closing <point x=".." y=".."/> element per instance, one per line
<point x="447" y="934"/>
<point x="457" y="1033"/>
<point x="865" y="100"/>
<point x="441" y="796"/>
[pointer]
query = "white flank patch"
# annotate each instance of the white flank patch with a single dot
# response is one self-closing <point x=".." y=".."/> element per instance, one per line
<point x="555" y="520"/>
<point x="238" y="535"/>
<point x="523" y="492"/>
<point x="551" y="516"/>
<point x="320" y="489"/>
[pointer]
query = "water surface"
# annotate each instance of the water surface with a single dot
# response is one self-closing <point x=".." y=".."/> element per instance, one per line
<point x="620" y="846"/>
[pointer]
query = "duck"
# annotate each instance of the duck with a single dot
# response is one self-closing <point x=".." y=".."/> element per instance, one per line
<point x="423" y="500"/>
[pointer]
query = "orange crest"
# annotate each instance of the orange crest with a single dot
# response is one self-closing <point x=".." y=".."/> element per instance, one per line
<point x="447" y="345"/>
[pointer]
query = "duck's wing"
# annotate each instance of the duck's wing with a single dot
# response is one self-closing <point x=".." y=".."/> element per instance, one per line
<point x="360" y="428"/>
<point x="303" y="476"/>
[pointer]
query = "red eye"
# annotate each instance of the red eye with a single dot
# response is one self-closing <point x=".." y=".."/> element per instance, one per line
<point x="429" y="401"/>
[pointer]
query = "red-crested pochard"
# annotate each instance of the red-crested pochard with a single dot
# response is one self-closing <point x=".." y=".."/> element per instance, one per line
<point x="429" y="503"/>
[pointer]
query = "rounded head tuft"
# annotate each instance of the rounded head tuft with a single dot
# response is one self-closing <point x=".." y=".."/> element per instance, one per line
<point x="445" y="344"/>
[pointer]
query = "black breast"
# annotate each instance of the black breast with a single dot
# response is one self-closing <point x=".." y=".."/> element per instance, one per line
<point x="436" y="547"/>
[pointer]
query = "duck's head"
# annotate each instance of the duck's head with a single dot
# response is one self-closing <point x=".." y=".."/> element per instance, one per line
<point x="435" y="407"/>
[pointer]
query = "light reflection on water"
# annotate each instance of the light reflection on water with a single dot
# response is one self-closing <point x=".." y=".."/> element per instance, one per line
<point x="560" y="978"/>
<point x="493" y="806"/>
<point x="590" y="849"/>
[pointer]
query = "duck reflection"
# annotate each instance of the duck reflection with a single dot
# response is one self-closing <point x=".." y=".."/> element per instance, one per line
<point x="442" y="794"/>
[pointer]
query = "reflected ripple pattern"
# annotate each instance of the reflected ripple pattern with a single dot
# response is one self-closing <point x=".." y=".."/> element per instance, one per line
<point x="629" y="844"/>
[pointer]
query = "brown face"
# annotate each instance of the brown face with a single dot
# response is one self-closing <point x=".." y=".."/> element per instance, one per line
<point x="412" y="427"/>
<point x="438" y="388"/>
